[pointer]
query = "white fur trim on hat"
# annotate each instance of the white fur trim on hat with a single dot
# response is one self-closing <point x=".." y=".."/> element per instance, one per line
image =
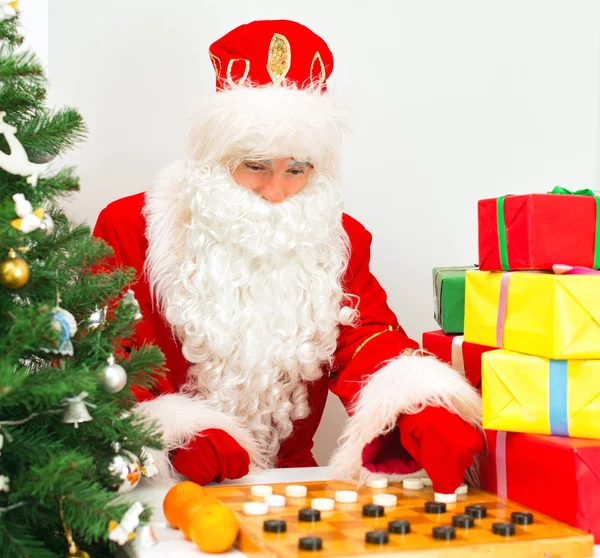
<point x="180" y="417"/>
<point x="404" y="385"/>
<point x="270" y="121"/>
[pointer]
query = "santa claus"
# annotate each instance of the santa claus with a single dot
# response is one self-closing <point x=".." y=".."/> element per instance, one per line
<point x="257" y="288"/>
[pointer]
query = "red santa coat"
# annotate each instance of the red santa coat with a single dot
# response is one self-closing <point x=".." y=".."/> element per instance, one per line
<point x="365" y="359"/>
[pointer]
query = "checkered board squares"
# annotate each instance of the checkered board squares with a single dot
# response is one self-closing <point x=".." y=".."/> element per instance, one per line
<point x="343" y="530"/>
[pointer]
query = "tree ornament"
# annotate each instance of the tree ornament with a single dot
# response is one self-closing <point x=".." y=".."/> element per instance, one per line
<point x="39" y="156"/>
<point x="129" y="298"/>
<point x="65" y="323"/>
<point x="124" y="531"/>
<point x="17" y="162"/>
<point x="29" y="220"/>
<point x="76" y="410"/>
<point x="98" y="318"/>
<point x="114" y="377"/>
<point x="4" y="483"/>
<point x="8" y="9"/>
<point x="47" y="224"/>
<point x="14" y="271"/>
<point x="149" y="467"/>
<point x="74" y="551"/>
<point x="119" y="471"/>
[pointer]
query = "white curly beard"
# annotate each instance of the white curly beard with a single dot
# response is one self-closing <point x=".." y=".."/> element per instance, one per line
<point x="256" y="297"/>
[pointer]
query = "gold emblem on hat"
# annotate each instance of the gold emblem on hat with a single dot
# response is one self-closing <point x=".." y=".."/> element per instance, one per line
<point x="230" y="67"/>
<point x="280" y="58"/>
<point x="216" y="62"/>
<point x="317" y="75"/>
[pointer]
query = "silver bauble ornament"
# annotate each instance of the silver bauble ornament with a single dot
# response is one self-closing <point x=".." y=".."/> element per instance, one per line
<point x="47" y="224"/>
<point x="120" y="470"/>
<point x="98" y="318"/>
<point x="114" y="377"/>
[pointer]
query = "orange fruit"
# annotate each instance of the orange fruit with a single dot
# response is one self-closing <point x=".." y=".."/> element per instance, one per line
<point x="214" y="528"/>
<point x="177" y="496"/>
<point x="189" y="509"/>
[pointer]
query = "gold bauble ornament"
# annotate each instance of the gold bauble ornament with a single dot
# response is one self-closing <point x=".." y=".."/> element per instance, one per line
<point x="14" y="271"/>
<point x="77" y="553"/>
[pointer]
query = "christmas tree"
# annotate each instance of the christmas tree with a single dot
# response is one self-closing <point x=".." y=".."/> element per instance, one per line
<point x="69" y="445"/>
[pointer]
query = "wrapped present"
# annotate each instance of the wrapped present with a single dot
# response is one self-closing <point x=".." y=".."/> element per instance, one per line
<point x="449" y="298"/>
<point x="535" y="231"/>
<point x="554" y="316"/>
<point x="464" y="357"/>
<point x="524" y="393"/>
<point x="559" y="477"/>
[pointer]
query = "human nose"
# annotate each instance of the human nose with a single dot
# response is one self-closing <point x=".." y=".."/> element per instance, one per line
<point x="273" y="190"/>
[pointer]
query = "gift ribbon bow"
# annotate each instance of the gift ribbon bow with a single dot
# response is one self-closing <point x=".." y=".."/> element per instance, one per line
<point x="556" y="190"/>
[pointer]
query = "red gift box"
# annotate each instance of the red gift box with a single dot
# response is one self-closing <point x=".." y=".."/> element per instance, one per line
<point x="465" y="357"/>
<point x="540" y="230"/>
<point x="557" y="476"/>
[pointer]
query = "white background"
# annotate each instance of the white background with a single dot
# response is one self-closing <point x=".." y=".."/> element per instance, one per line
<point x="452" y="101"/>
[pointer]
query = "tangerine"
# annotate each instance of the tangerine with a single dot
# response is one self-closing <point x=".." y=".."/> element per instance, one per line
<point x="177" y="496"/>
<point x="214" y="528"/>
<point x="189" y="509"/>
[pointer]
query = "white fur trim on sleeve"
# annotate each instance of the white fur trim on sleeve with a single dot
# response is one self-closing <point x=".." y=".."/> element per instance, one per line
<point x="404" y="385"/>
<point x="180" y="417"/>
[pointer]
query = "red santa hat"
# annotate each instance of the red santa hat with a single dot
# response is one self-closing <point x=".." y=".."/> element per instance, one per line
<point x="272" y="98"/>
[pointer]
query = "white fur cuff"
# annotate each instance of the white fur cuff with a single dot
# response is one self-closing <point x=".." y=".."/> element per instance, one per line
<point x="404" y="385"/>
<point x="180" y="418"/>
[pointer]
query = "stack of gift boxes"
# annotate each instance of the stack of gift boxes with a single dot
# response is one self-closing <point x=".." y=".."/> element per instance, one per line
<point x="531" y="322"/>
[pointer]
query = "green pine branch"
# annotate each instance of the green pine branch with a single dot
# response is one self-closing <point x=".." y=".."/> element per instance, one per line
<point x="9" y="33"/>
<point x="16" y="542"/>
<point x="23" y="64"/>
<point x="20" y="99"/>
<point x="54" y="133"/>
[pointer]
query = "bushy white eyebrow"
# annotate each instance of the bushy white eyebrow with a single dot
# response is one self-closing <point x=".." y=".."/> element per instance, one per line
<point x="269" y="163"/>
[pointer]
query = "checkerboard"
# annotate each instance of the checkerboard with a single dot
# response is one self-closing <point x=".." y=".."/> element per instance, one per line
<point x="343" y="530"/>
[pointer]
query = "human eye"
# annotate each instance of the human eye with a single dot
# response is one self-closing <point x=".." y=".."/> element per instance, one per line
<point x="253" y="167"/>
<point x="296" y="172"/>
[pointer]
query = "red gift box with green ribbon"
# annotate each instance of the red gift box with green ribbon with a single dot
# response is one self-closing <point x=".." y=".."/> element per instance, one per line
<point x="557" y="476"/>
<point x="536" y="231"/>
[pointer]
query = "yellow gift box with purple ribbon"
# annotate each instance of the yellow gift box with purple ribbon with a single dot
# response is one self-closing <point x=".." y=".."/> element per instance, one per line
<point x="542" y="314"/>
<point x="524" y="393"/>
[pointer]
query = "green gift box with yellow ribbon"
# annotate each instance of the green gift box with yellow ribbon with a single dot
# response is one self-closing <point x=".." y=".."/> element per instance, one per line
<point x="537" y="231"/>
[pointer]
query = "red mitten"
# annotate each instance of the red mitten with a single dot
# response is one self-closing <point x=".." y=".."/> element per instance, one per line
<point x="443" y="443"/>
<point x="212" y="455"/>
<point x="386" y="455"/>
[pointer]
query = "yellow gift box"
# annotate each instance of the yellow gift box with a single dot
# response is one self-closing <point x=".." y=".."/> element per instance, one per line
<point x="554" y="316"/>
<point x="524" y="393"/>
